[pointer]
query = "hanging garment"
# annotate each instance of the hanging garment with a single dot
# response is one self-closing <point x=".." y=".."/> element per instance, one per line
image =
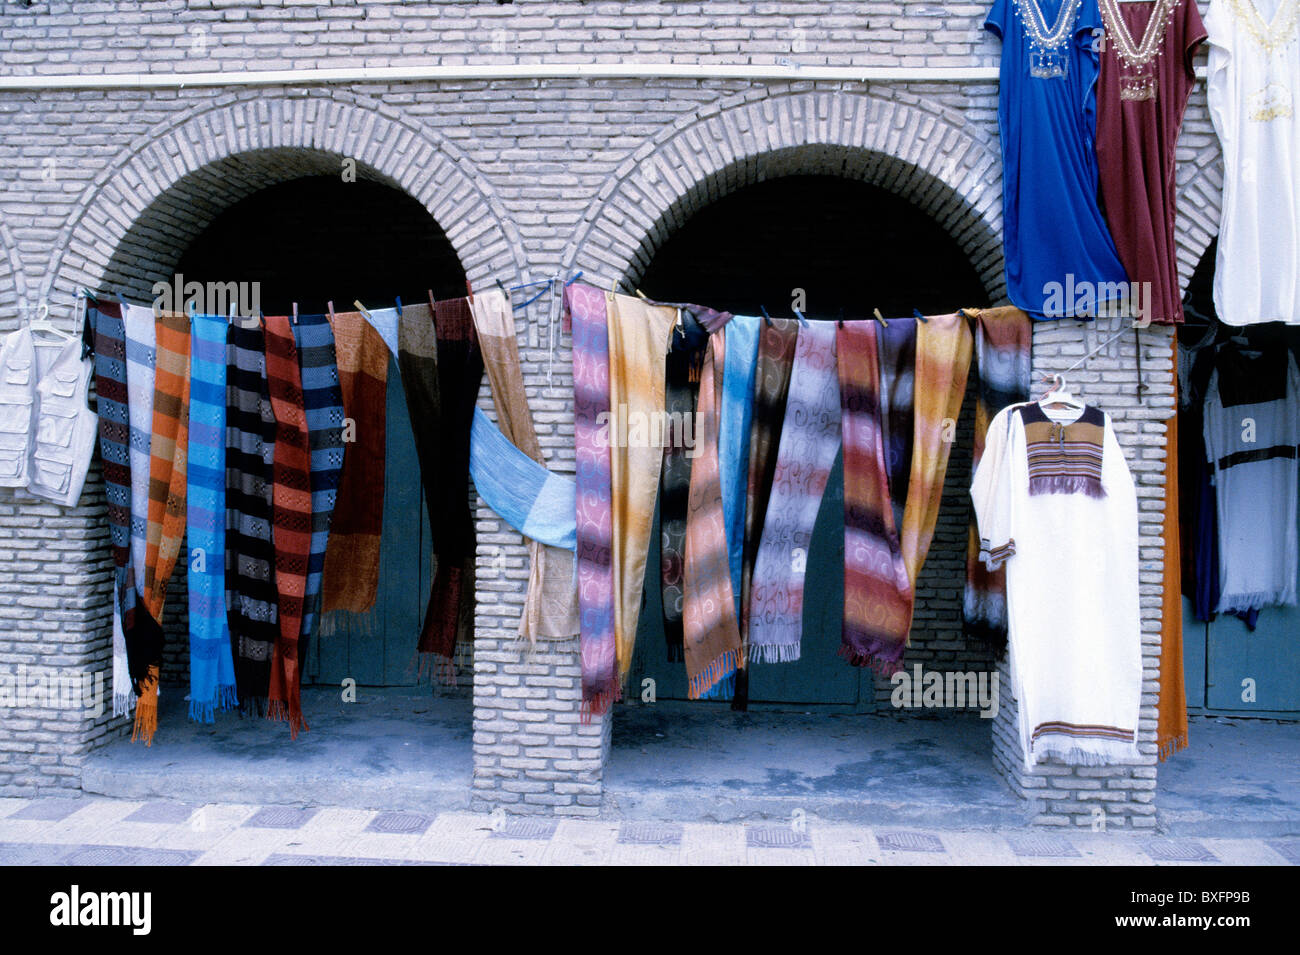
<point x="877" y="591"/>
<point x="1252" y="430"/>
<point x="449" y="618"/>
<point x="1055" y="501"/>
<point x="1142" y="91"/>
<point x="169" y="458"/>
<point x="323" y="403"/>
<point x="1060" y="259"/>
<point x="776" y="347"/>
<point x="291" y="520"/>
<point x="351" y="577"/>
<point x="538" y="503"/>
<point x="551" y="607"/>
<point x="1171" y="707"/>
<point x="713" y="650"/>
<point x="735" y="421"/>
<point x="1003" y="345"/>
<point x="803" y="465"/>
<point x="638" y="348"/>
<point x="585" y="309"/>
<point x="212" y="668"/>
<point x="251" y="599"/>
<point x="896" y="345"/>
<point x="18" y="376"/>
<point x="386" y="321"/>
<point x="1253" y="92"/>
<point x="681" y="389"/>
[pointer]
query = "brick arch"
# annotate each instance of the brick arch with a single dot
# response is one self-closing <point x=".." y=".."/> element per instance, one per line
<point x="948" y="168"/>
<point x="12" y="287"/>
<point x="153" y="198"/>
<point x="1198" y="206"/>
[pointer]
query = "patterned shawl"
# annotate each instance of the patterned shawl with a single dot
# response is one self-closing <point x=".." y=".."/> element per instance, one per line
<point x="323" y="402"/>
<point x="897" y="348"/>
<point x="1003" y="343"/>
<point x="351" y="576"/>
<point x="212" y="669"/>
<point x="551" y="608"/>
<point x="681" y="387"/>
<point x="291" y="529"/>
<point x="585" y="312"/>
<point x="169" y="451"/>
<point x="803" y="466"/>
<point x="734" y="424"/>
<point x="712" y="630"/>
<point x="251" y="600"/>
<point x="638" y="345"/>
<point x="877" y="592"/>
<point x="449" y="617"/>
<point x="776" y="347"/>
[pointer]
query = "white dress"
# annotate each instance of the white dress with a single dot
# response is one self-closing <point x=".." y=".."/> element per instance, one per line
<point x="1253" y="90"/>
<point x="1054" y="500"/>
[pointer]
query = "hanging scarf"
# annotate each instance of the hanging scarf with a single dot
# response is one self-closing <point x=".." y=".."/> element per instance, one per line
<point x="877" y="591"/>
<point x="896" y="345"/>
<point x="443" y="445"/>
<point x="538" y="503"/>
<point x="735" y="421"/>
<point x="1003" y="344"/>
<point x="1171" y="708"/>
<point x="585" y="308"/>
<point x="251" y="599"/>
<point x="776" y="348"/>
<point x="350" y="580"/>
<point x="638" y="347"/>
<point x="323" y="403"/>
<point x="712" y="630"/>
<point x="803" y="465"/>
<point x="212" y="669"/>
<point x="551" y="607"/>
<point x="291" y="526"/>
<point x="168" y="458"/>
<point x="681" y="388"/>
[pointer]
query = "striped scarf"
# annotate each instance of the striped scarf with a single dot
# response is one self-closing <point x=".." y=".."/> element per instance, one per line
<point x="897" y="349"/>
<point x="323" y="402"/>
<point x="350" y="580"/>
<point x="169" y="451"/>
<point x="250" y="553"/>
<point x="291" y="530"/>
<point x="713" y="647"/>
<point x="803" y="466"/>
<point x="776" y="348"/>
<point x="681" y="388"/>
<point x="638" y="346"/>
<point x="212" y="669"/>
<point x="877" y="592"/>
<point x="551" y="607"/>
<point x="585" y="310"/>
<point x="1003" y="344"/>
<point x="734" y="424"/>
<point x="449" y="617"/>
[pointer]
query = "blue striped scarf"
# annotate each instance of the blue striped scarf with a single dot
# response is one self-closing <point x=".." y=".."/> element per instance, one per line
<point x="734" y="421"/>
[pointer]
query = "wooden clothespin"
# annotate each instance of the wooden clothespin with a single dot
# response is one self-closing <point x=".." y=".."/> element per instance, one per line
<point x="330" y="309"/>
<point x="295" y="313"/>
<point x="642" y="296"/>
<point x="880" y="318"/>
<point x="361" y="308"/>
<point x="429" y="292"/>
<point x="469" y="289"/>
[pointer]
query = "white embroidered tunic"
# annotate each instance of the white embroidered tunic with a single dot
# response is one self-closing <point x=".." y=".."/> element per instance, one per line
<point x="1054" y="500"/>
<point x="1253" y="91"/>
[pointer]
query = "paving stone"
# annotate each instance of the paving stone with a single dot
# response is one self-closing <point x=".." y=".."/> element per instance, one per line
<point x="289" y="859"/>
<point x="48" y="810"/>
<point x="1288" y="849"/>
<point x="162" y="813"/>
<point x="279" y="817"/>
<point x="400" y="823"/>
<point x="1178" y="850"/>
<point x="1041" y="845"/>
<point x="91" y="855"/>
<point x="650" y="834"/>
<point x="516" y="828"/>
<point x="909" y="842"/>
<point x="776" y="837"/>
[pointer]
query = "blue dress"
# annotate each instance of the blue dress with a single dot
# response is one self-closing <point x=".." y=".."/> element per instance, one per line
<point x="1060" y="258"/>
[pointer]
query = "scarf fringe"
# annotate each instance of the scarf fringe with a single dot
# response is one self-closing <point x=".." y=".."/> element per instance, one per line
<point x="146" y="709"/>
<point x="774" y="652"/>
<point x="440" y="667"/>
<point x="123" y="704"/>
<point x="721" y="669"/>
<point x="280" y="712"/>
<point x="206" y="711"/>
<point x="336" y="623"/>
<point x="879" y="664"/>
<point x="1067" y="484"/>
<point x="724" y="689"/>
<point x="1073" y="755"/>
<point x="598" y="705"/>
<point x="1241" y="603"/>
<point x="1171" y="746"/>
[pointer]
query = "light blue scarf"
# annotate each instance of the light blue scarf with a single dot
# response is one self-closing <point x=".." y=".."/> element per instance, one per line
<point x="733" y="435"/>
<point x="534" y="501"/>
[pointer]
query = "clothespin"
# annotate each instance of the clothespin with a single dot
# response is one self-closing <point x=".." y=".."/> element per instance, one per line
<point x="880" y="318"/>
<point x="398" y="299"/>
<point x="330" y="309"/>
<point x="89" y="295"/>
<point x="232" y="312"/>
<point x="613" y="287"/>
<point x="574" y="279"/>
<point x="429" y="292"/>
<point x="469" y="289"/>
<point x="919" y="316"/>
<point x="295" y="313"/>
<point x="642" y="296"/>
<point x="840" y="323"/>
<point x="767" y="319"/>
<point x="799" y="315"/>
<point x="502" y="288"/>
<point x="361" y="308"/>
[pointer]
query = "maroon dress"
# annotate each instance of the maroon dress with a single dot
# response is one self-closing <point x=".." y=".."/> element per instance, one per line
<point x="1139" y="113"/>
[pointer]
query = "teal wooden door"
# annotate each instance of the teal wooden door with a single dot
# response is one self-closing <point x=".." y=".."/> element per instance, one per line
<point x="379" y="650"/>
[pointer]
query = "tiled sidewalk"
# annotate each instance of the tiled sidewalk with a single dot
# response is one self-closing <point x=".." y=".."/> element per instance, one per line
<point x="120" y="832"/>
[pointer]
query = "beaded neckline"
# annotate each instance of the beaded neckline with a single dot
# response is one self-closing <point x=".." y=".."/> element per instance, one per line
<point x="1042" y="38"/>
<point x="1132" y="54"/>
<point x="1270" y="36"/>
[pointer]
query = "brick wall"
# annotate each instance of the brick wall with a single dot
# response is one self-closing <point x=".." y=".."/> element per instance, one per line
<point x="528" y="178"/>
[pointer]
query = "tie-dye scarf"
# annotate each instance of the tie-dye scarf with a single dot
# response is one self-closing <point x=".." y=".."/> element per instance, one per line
<point x="897" y="349"/>
<point x="291" y="523"/>
<point x="212" y="668"/>
<point x="585" y="310"/>
<point x="1003" y="345"/>
<point x="807" y="451"/>
<point x="251" y="599"/>
<point x="877" y="592"/>
<point x="734" y="424"/>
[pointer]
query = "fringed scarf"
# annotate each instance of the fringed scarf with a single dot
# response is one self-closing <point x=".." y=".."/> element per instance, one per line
<point x="803" y="465"/>
<point x="638" y="346"/>
<point x="776" y="348"/>
<point x="1171" y="708"/>
<point x="291" y="525"/>
<point x="351" y="577"/>
<point x="585" y="312"/>
<point x="251" y="598"/>
<point x="713" y="647"/>
<point x="877" y="591"/>
<point x="681" y="388"/>
<point x="323" y="403"/>
<point x="734" y="424"/>
<point x="449" y="617"/>
<point x="551" y="607"/>
<point x="538" y="503"/>
<point x="212" y="668"/>
<point x="896" y="345"/>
